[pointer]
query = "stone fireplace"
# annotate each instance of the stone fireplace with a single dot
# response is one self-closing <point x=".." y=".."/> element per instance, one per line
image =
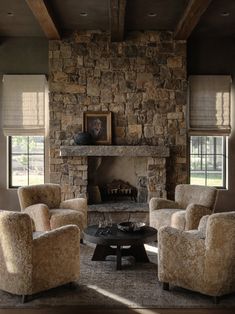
<point x="142" y="81"/>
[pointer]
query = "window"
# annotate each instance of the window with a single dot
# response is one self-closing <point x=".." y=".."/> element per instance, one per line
<point x="26" y="160"/>
<point x="208" y="160"/>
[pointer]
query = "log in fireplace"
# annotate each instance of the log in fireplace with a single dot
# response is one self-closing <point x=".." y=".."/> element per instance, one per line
<point x="118" y="190"/>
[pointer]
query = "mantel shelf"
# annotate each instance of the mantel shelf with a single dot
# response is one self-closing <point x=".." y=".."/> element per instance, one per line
<point x="115" y="150"/>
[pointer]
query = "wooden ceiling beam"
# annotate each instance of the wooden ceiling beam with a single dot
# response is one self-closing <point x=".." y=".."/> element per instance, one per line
<point x="117" y="19"/>
<point x="40" y="11"/>
<point x="190" y="18"/>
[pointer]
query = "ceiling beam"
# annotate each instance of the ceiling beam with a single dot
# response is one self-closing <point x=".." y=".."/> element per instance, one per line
<point x="117" y="19"/>
<point x="40" y="11"/>
<point x="190" y="18"/>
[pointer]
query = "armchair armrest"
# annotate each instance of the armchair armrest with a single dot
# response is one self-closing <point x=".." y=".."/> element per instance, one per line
<point x="221" y="232"/>
<point x="51" y="237"/>
<point x="79" y="204"/>
<point x="54" y="258"/>
<point x="159" y="203"/>
<point x="203" y="225"/>
<point x="40" y="215"/>
<point x="194" y="212"/>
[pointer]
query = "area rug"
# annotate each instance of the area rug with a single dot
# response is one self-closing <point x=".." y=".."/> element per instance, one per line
<point x="102" y="286"/>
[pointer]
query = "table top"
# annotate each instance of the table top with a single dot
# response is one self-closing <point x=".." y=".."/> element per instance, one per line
<point x="114" y="236"/>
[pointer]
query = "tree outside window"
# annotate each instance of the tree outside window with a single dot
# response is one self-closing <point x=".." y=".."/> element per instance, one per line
<point x="208" y="160"/>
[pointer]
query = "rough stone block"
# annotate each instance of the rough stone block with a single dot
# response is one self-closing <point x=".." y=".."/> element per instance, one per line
<point x="148" y="131"/>
<point x="175" y="115"/>
<point x="120" y="132"/>
<point x="132" y="119"/>
<point x="135" y="129"/>
<point x="106" y="95"/>
<point x="142" y="195"/>
<point x="74" y="88"/>
<point x="180" y="139"/>
<point x="174" y="62"/>
<point x="93" y="88"/>
<point x="119" y="98"/>
<point x="55" y="177"/>
<point x="143" y="78"/>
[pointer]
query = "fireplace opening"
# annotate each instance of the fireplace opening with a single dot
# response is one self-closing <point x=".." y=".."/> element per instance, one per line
<point x="117" y="179"/>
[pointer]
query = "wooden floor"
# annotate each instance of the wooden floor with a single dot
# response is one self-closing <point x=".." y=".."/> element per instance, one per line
<point x="73" y="310"/>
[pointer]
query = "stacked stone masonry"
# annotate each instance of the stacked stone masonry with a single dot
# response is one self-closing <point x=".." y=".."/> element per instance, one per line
<point x="142" y="81"/>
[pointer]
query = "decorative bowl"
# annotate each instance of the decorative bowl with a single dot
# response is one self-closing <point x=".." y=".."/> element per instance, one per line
<point x="129" y="226"/>
<point x="83" y="138"/>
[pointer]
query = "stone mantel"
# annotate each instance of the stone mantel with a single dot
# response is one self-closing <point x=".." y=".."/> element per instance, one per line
<point x="115" y="150"/>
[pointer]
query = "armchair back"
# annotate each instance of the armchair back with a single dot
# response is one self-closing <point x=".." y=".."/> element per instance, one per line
<point x="49" y="194"/>
<point x="16" y="254"/>
<point x="201" y="195"/>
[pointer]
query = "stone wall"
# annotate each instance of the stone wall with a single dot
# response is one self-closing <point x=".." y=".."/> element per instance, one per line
<point x="142" y="81"/>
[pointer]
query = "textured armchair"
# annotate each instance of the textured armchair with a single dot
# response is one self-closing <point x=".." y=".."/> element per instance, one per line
<point x="29" y="265"/>
<point x="191" y="203"/>
<point x="202" y="260"/>
<point x="43" y="204"/>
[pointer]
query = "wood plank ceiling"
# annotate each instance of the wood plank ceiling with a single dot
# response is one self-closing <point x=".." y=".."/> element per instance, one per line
<point x="54" y="18"/>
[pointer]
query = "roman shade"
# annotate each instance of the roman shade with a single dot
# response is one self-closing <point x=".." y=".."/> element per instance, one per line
<point x="209" y="104"/>
<point x="24" y="100"/>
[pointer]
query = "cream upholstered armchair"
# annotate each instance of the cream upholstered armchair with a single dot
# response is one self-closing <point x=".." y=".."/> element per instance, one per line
<point x="191" y="203"/>
<point x="201" y="260"/>
<point x="43" y="204"/>
<point x="29" y="265"/>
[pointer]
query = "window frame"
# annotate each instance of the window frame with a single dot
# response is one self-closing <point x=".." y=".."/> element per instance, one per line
<point x="224" y="155"/>
<point x="10" y="179"/>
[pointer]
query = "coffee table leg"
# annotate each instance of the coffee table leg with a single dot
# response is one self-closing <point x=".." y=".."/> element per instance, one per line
<point x="119" y="257"/>
<point x="139" y="253"/>
<point x="101" y="251"/>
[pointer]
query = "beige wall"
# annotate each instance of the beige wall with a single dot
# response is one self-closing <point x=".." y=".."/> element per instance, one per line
<point x="18" y="56"/>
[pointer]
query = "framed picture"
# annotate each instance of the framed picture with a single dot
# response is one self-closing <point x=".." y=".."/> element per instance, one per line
<point x="98" y="124"/>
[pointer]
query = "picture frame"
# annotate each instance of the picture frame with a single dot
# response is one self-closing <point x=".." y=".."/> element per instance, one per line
<point x="98" y="125"/>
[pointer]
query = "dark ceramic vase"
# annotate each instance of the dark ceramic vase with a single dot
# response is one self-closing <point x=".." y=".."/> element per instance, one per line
<point x="83" y="138"/>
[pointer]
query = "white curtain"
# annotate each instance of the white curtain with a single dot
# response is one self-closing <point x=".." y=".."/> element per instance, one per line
<point x="23" y="104"/>
<point x="209" y="104"/>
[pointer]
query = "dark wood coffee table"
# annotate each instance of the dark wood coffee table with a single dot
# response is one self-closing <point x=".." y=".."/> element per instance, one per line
<point x="118" y="238"/>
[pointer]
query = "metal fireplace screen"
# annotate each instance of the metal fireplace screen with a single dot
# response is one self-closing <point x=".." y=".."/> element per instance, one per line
<point x="118" y="189"/>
